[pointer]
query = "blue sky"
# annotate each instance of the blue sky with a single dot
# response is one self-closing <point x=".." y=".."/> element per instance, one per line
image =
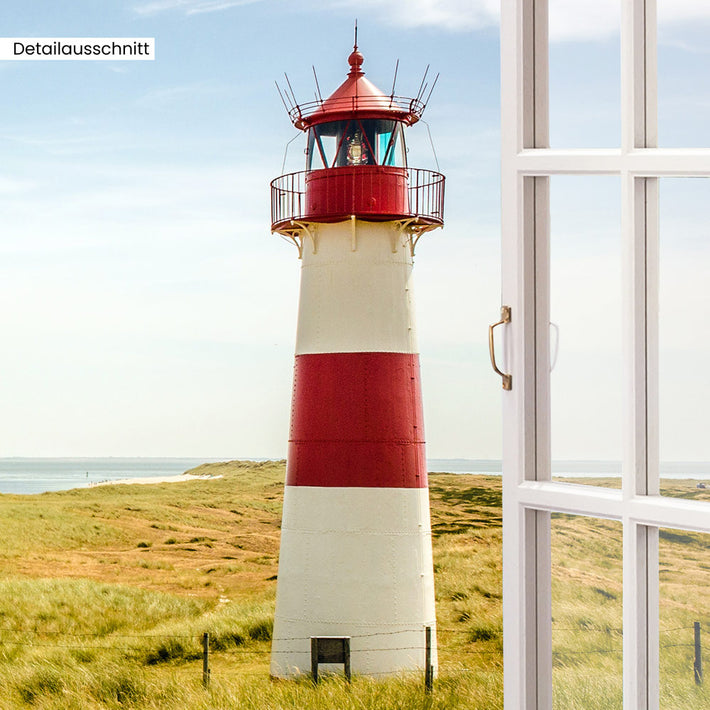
<point x="145" y="307"/>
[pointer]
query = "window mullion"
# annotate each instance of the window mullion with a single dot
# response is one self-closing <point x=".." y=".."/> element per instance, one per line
<point x="640" y="468"/>
<point x="650" y="74"/>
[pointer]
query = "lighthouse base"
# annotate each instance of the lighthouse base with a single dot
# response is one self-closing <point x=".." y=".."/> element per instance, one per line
<point x="355" y="562"/>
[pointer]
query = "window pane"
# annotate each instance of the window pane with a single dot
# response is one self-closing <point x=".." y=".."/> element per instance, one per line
<point x="356" y="142"/>
<point x="684" y="595"/>
<point x="329" y="137"/>
<point x="586" y="613"/>
<point x="684" y="338"/>
<point x="390" y="142"/>
<point x="384" y="157"/>
<point x="585" y="73"/>
<point x="585" y="329"/>
<point x="683" y="74"/>
<point x="315" y="155"/>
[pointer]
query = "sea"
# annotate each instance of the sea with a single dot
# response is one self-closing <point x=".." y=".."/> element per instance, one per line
<point x="29" y="476"/>
<point x="39" y="475"/>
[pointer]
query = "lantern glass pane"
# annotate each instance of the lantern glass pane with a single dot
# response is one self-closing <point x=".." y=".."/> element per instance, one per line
<point x="315" y="159"/>
<point x="328" y="138"/>
<point x="389" y="139"/>
<point x="356" y="142"/>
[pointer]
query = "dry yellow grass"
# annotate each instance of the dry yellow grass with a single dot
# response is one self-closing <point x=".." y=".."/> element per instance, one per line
<point x="166" y="562"/>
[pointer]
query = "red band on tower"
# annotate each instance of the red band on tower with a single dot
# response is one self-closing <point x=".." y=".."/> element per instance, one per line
<point x="357" y="421"/>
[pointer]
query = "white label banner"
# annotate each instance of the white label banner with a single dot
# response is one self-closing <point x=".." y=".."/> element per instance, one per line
<point x="77" y="48"/>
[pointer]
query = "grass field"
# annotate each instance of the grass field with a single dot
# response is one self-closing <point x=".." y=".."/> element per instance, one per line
<point x="105" y="593"/>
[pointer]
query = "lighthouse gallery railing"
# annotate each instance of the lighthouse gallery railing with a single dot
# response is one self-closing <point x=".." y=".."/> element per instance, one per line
<point x="425" y="190"/>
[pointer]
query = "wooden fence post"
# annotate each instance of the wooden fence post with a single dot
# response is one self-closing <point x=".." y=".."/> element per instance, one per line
<point x="698" y="664"/>
<point x="428" y="667"/>
<point x="205" y="660"/>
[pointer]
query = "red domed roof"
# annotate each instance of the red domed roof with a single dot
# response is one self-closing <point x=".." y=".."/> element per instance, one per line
<point x="356" y="96"/>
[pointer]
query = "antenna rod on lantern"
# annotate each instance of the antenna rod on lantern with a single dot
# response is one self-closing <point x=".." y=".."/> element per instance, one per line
<point x="295" y="100"/>
<point x="421" y="86"/>
<point x="436" y="78"/>
<point x="315" y="76"/>
<point x="419" y="98"/>
<point x="283" y="101"/>
<point x="394" y="81"/>
<point x="356" y="33"/>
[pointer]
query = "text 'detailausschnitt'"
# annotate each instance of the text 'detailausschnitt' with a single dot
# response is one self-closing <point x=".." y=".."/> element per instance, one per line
<point x="77" y="48"/>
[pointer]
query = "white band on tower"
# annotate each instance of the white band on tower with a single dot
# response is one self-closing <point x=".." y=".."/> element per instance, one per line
<point x="356" y="290"/>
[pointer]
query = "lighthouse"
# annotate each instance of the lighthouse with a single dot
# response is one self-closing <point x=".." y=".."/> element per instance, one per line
<point x="356" y="552"/>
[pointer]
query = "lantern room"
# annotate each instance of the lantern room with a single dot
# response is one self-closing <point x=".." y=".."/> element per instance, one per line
<point x="367" y="141"/>
<point x="356" y="161"/>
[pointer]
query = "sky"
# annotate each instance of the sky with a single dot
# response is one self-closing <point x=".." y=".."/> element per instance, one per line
<point x="145" y="308"/>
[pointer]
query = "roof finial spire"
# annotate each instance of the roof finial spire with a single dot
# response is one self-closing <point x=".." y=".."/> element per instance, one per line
<point x="355" y="59"/>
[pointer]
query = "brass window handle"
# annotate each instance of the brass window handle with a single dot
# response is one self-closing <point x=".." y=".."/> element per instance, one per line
<point x="504" y="318"/>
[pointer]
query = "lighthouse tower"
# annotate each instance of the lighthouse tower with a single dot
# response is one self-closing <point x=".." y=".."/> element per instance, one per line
<point x="356" y="555"/>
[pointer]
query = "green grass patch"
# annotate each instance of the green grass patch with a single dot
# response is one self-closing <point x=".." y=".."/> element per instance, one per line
<point x="105" y="594"/>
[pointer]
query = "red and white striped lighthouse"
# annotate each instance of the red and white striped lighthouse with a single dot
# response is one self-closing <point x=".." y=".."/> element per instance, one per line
<point x="356" y="555"/>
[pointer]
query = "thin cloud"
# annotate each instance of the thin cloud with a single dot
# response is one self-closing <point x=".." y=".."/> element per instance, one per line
<point x="683" y="11"/>
<point x="172" y="94"/>
<point x="70" y="144"/>
<point x="586" y="20"/>
<point x="217" y="6"/>
<point x="12" y="186"/>
<point x="189" y="7"/>
<point x="450" y="15"/>
<point x="580" y="20"/>
<point x="685" y="46"/>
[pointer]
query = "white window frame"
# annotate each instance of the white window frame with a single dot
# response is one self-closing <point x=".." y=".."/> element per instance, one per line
<point x="529" y="494"/>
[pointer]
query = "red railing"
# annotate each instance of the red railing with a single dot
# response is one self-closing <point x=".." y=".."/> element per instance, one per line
<point x="288" y="198"/>
<point x="411" y="108"/>
<point x="425" y="193"/>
